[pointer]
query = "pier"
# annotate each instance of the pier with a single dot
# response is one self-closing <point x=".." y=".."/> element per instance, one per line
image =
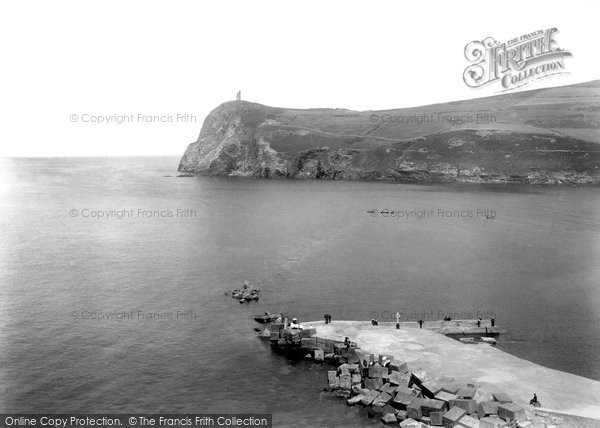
<point x="477" y="384"/>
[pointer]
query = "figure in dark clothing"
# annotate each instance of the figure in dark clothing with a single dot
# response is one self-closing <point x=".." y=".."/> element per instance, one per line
<point x="420" y="323"/>
<point x="326" y="318"/>
<point x="493" y="321"/>
<point x="479" y="322"/>
<point x="534" y="399"/>
<point x="376" y="322"/>
<point x="365" y="368"/>
<point x="347" y="342"/>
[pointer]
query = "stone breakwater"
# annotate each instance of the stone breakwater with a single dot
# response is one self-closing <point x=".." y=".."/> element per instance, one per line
<point x="413" y="377"/>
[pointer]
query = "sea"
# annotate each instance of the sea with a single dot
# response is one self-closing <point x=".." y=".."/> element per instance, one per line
<point x="113" y="274"/>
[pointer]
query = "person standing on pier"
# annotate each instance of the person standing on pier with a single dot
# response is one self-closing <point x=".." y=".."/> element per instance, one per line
<point x="365" y="368"/>
<point x="420" y="323"/>
<point x="397" y="320"/>
<point x="493" y="320"/>
<point x="347" y="342"/>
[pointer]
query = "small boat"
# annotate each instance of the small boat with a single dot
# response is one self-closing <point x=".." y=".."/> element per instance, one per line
<point x="489" y="340"/>
<point x="252" y="295"/>
<point x="266" y="318"/>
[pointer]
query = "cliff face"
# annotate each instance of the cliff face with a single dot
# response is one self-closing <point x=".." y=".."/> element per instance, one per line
<point x="542" y="136"/>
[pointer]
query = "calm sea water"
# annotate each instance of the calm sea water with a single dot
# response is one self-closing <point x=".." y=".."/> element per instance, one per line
<point x="309" y="245"/>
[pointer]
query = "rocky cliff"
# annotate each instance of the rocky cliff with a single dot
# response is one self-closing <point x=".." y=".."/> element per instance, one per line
<point x="543" y="136"/>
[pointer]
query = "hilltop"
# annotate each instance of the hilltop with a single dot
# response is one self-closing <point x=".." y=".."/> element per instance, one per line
<point x="549" y="135"/>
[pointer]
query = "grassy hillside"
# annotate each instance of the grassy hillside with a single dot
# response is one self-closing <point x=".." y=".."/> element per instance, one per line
<point x="544" y="135"/>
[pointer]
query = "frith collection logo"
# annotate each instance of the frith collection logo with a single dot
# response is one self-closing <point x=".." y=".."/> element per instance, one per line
<point x="514" y="63"/>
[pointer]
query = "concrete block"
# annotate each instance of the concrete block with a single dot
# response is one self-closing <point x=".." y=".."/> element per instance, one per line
<point x="466" y="392"/>
<point x="487" y="408"/>
<point x="396" y="378"/>
<point x="425" y="420"/>
<point x="511" y="412"/>
<point x="450" y="387"/>
<point x="332" y="377"/>
<point x="389" y="409"/>
<point x="388" y="388"/>
<point x="319" y="355"/>
<point x="402" y="400"/>
<point x="445" y="396"/>
<point x="373" y="383"/>
<point x="435" y="418"/>
<point x="429" y="405"/>
<point x="335" y="383"/>
<point x="354" y="400"/>
<point x="389" y="418"/>
<point x="344" y="370"/>
<point x="329" y="356"/>
<point x="353" y="356"/>
<point x="501" y="397"/>
<point x="451" y="417"/>
<point x="400" y="415"/>
<point x="399" y="366"/>
<point x="432" y="386"/>
<point x="470" y="406"/>
<point x="346" y="381"/>
<point x="354" y="368"/>
<point x="356" y="379"/>
<point x="369" y="397"/>
<point x="489" y="422"/>
<point x="468" y="422"/>
<point x="413" y="410"/>
<point x="274" y="335"/>
<point x="410" y="423"/>
<point x="382" y="399"/>
<point x="405" y="390"/>
<point x="377" y="370"/>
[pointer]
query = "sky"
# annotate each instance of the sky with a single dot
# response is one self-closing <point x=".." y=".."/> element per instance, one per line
<point x="67" y="64"/>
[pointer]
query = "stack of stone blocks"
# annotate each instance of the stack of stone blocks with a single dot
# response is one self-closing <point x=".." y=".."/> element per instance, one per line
<point x="401" y="398"/>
